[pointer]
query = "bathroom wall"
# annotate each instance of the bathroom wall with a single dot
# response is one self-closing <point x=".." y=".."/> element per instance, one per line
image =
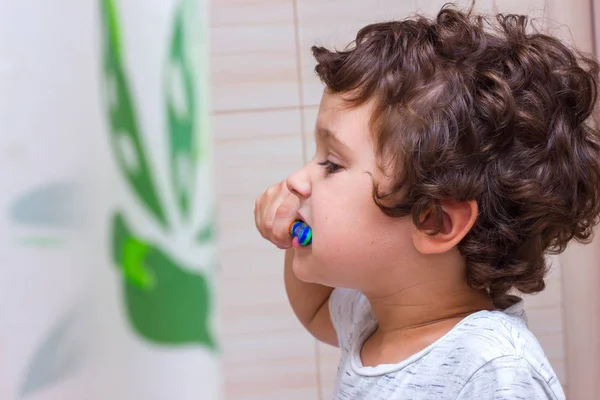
<point x="265" y="99"/>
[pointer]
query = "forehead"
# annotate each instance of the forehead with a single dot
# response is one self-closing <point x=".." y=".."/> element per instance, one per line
<point x="348" y="124"/>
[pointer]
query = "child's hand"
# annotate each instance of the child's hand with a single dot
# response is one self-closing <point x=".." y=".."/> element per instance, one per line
<point x="274" y="212"/>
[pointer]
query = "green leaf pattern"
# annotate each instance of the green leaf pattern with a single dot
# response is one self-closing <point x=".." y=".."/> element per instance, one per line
<point x="167" y="302"/>
<point x="181" y="116"/>
<point x="124" y="129"/>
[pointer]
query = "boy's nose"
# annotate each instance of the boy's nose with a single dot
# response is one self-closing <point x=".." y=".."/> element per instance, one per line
<point x="298" y="183"/>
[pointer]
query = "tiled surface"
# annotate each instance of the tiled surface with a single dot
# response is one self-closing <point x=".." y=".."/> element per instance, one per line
<point x="269" y="365"/>
<point x="253" y="55"/>
<point x="329" y="358"/>
<point x="315" y="27"/>
<point x="259" y="124"/>
<point x="263" y="130"/>
<point x="256" y="122"/>
<point x="545" y="318"/>
<point x="534" y="8"/>
<point x="310" y="118"/>
<point x="255" y="151"/>
<point x="430" y="7"/>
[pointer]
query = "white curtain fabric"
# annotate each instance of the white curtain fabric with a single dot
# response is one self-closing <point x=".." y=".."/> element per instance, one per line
<point x="107" y="250"/>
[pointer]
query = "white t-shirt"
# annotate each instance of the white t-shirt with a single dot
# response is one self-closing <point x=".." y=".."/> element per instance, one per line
<point x="489" y="355"/>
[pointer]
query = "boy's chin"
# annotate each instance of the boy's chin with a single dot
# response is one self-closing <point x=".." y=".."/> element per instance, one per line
<point x="306" y="270"/>
<point x="309" y="271"/>
<point x="303" y="270"/>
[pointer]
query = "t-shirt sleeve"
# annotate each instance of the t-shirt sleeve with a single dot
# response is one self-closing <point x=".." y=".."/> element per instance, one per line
<point x="508" y="378"/>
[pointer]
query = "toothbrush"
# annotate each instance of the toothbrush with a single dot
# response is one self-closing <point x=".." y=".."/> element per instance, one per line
<point x="299" y="229"/>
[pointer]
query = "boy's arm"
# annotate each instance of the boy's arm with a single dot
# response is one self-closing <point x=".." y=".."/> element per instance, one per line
<point x="310" y="302"/>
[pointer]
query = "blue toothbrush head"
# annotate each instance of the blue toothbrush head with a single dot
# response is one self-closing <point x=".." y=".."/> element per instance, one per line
<point x="299" y="229"/>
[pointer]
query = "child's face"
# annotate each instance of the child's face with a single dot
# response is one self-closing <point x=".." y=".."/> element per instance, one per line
<point x="353" y="241"/>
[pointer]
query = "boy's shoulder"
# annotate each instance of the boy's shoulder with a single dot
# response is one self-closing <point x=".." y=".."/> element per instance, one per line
<point x="486" y="336"/>
<point x="494" y="351"/>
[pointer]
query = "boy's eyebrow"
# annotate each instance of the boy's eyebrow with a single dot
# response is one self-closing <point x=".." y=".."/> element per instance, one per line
<point x="327" y="135"/>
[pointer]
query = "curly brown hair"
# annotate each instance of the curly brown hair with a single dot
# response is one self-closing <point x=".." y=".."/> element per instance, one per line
<point x="468" y="108"/>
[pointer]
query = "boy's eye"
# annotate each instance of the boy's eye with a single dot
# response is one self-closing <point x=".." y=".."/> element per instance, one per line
<point x="330" y="167"/>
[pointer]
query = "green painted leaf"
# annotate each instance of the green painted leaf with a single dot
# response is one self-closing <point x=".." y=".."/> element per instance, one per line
<point x="125" y="134"/>
<point x="181" y="114"/>
<point x="166" y="303"/>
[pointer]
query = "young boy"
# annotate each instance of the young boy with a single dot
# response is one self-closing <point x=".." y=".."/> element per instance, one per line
<point x="451" y="157"/>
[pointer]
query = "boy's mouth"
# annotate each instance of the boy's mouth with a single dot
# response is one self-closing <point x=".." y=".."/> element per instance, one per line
<point x="300" y="217"/>
<point x="301" y="233"/>
<point x="296" y="243"/>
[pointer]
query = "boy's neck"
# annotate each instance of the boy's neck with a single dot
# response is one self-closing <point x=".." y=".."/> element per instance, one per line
<point x="423" y="306"/>
<point x="417" y="300"/>
<point x="416" y="317"/>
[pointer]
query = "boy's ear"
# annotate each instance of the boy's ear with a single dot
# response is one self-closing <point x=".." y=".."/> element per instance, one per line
<point x="458" y="219"/>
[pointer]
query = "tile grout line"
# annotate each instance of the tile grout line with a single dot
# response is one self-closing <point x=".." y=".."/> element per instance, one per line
<point x="564" y="330"/>
<point x="304" y="155"/>
<point x="318" y="363"/>
<point x="299" y="77"/>
<point x="262" y="110"/>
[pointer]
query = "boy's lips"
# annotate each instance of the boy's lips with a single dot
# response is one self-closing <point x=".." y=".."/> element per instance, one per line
<point x="295" y="243"/>
<point x="301" y="217"/>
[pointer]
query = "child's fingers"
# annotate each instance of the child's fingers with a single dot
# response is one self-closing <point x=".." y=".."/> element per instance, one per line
<point x="284" y="216"/>
<point x="258" y="214"/>
<point x="268" y="210"/>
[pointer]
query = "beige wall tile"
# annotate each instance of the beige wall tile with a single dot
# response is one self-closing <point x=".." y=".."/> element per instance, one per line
<point x="235" y="211"/>
<point x="310" y="118"/>
<point x="250" y="320"/>
<point x="546" y="319"/>
<point x="256" y="124"/>
<point x="543" y="321"/>
<point x="270" y="364"/>
<point x="248" y="168"/>
<point x="316" y="28"/>
<point x="253" y="292"/>
<point x="554" y="345"/>
<point x="244" y="170"/>
<point x="534" y="8"/>
<point x="242" y="153"/>
<point x="253" y="55"/>
<point x="250" y="13"/>
<point x="329" y="358"/>
<point x="548" y="298"/>
<point x="432" y="7"/>
<point x="248" y="181"/>
<point x="278" y="345"/>
<point x="266" y="352"/>
<point x="250" y="264"/>
<point x="241" y="239"/>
